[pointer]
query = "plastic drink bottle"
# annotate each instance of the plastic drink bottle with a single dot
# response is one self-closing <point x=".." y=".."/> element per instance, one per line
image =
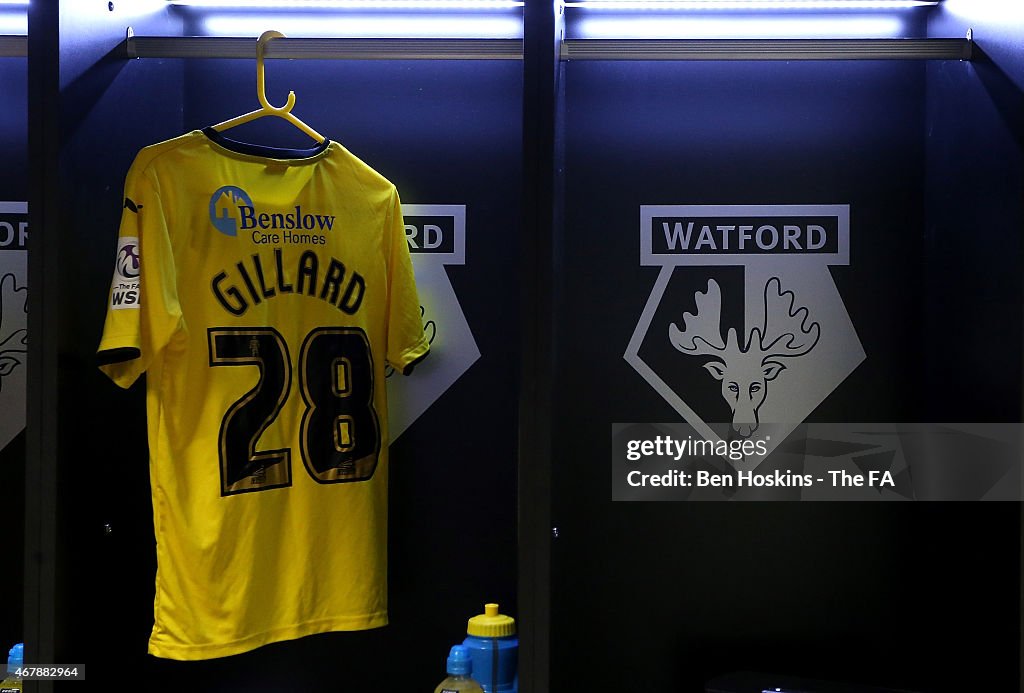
<point x="459" y="680"/>
<point x="15" y="660"/>
<point x="492" y="643"/>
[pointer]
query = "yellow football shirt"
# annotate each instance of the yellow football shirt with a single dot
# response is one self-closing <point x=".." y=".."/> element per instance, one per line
<point x="262" y="292"/>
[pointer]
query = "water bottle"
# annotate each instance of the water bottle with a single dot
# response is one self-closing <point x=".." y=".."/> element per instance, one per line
<point x="15" y="661"/>
<point x="492" y="643"/>
<point x="459" y="680"/>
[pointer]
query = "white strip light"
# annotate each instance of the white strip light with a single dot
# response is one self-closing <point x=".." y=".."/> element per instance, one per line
<point x="421" y="25"/>
<point x="775" y="25"/>
<point x="352" y="4"/>
<point x="717" y="5"/>
<point x="13" y="17"/>
<point x="13" y="26"/>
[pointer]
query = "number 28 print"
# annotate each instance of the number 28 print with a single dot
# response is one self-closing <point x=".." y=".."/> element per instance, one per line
<point x="340" y="432"/>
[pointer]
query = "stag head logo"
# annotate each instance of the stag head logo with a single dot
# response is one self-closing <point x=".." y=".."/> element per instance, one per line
<point x="746" y="369"/>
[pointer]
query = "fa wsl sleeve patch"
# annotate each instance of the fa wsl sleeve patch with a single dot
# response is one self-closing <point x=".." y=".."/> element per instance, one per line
<point x="124" y="291"/>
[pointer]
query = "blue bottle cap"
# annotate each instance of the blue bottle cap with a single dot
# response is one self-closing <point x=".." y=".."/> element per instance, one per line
<point x="459" y="661"/>
<point x="16" y="657"/>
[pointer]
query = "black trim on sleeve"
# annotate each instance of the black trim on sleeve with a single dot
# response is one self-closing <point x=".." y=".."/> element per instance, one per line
<point x="263" y="150"/>
<point x="109" y="356"/>
<point x="408" y="369"/>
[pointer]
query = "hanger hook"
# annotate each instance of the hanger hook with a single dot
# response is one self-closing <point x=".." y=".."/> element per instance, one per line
<point x="261" y="79"/>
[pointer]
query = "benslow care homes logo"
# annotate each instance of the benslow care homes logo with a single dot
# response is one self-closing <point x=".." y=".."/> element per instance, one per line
<point x="744" y="333"/>
<point x="232" y="210"/>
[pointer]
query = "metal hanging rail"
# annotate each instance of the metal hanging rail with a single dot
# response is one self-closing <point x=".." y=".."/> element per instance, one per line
<point x="13" y="46"/>
<point x="324" y="48"/>
<point x="512" y="49"/>
<point x="767" y="49"/>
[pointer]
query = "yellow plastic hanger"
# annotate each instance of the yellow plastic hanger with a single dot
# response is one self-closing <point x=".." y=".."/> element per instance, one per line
<point x="261" y="92"/>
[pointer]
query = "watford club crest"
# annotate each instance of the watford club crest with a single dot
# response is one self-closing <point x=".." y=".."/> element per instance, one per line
<point x="436" y="235"/>
<point x="744" y="333"/>
<point x="13" y="318"/>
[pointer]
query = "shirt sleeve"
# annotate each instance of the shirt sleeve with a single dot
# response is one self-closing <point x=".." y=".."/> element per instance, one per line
<point x="143" y="313"/>
<point x="407" y="343"/>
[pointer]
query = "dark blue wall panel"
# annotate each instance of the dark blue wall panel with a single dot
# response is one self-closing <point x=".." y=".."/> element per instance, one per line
<point x="13" y="187"/>
<point x="975" y="147"/>
<point x="109" y="108"/>
<point x="675" y="593"/>
<point x="14" y="128"/>
<point x="444" y="133"/>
